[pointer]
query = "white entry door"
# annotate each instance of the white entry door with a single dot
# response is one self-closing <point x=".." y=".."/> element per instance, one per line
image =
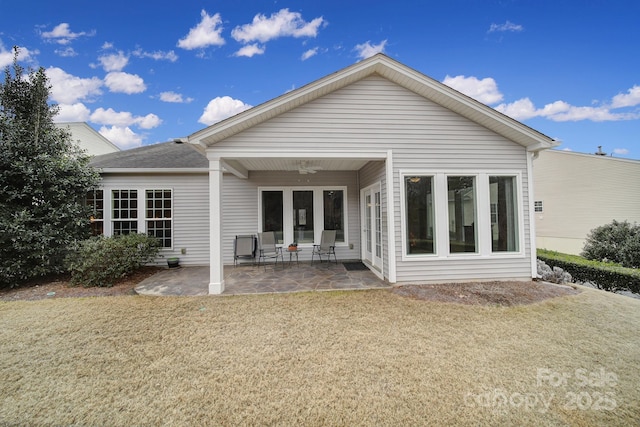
<point x="371" y="198"/>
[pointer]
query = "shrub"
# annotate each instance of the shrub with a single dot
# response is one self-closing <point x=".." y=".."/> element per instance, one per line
<point x="101" y="261"/>
<point x="617" y="242"/>
<point x="631" y="251"/>
<point x="604" y="275"/>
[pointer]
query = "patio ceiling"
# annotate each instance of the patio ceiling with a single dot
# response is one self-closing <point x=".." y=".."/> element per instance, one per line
<point x="295" y="164"/>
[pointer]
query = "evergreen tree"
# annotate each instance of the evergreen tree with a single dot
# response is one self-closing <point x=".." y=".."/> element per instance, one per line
<point x="44" y="180"/>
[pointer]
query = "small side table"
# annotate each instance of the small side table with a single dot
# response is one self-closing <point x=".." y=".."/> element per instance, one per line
<point x="291" y="254"/>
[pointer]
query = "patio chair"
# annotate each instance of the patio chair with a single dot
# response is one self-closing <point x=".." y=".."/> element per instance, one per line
<point x="267" y="248"/>
<point x="244" y="247"/>
<point x="326" y="247"/>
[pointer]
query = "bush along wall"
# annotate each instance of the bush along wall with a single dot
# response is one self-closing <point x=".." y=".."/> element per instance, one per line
<point x="101" y="261"/>
<point x="608" y="276"/>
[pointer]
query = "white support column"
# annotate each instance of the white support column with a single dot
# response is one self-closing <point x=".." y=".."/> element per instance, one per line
<point x="391" y="217"/>
<point x="532" y="218"/>
<point x="216" y="272"/>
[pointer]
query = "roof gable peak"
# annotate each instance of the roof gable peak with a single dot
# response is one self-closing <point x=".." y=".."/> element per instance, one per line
<point x="394" y="71"/>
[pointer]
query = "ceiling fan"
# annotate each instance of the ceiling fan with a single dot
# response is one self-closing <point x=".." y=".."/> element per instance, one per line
<point x="305" y="169"/>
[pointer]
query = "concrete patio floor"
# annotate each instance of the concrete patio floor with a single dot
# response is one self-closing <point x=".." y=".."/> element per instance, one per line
<point x="250" y="279"/>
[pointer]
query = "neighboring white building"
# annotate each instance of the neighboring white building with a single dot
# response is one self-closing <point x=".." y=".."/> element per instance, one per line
<point x="88" y="139"/>
<point x="575" y="193"/>
<point x="421" y="183"/>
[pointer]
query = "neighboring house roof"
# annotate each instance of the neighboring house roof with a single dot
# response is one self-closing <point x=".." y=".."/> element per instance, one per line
<point x="88" y="139"/>
<point x="394" y="71"/>
<point x="164" y="156"/>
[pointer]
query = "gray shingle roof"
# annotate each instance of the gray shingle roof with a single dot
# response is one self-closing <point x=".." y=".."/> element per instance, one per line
<point x="167" y="155"/>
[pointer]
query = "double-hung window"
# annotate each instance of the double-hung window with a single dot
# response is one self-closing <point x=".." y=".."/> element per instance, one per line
<point x="95" y="200"/>
<point x="124" y="208"/>
<point x="136" y="210"/>
<point x="158" y="216"/>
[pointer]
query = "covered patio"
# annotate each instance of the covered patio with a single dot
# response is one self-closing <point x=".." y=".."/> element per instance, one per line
<point x="252" y="279"/>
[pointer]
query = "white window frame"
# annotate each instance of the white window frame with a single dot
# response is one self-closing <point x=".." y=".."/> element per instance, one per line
<point x="91" y="200"/>
<point x="160" y="219"/>
<point x="318" y="212"/>
<point x="142" y="205"/>
<point x="441" y="215"/>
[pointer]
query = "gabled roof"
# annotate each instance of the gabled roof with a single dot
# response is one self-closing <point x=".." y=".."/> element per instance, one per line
<point x="161" y="157"/>
<point x="88" y="139"/>
<point x="394" y="71"/>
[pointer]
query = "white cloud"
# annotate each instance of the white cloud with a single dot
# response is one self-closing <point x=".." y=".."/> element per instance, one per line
<point x="206" y="33"/>
<point x="521" y="109"/>
<point x="68" y="89"/>
<point x="250" y="50"/>
<point x="77" y="112"/>
<point x="485" y="90"/>
<point x="561" y="111"/>
<point x="620" y="151"/>
<point x="124" y="119"/>
<point x="221" y="108"/>
<point x="24" y="55"/>
<point x="123" y="137"/>
<point x="157" y="55"/>
<point x="308" y="54"/>
<point x="507" y="26"/>
<point x="61" y="34"/>
<point x="149" y="121"/>
<point x="366" y="50"/>
<point x="280" y="24"/>
<point x="629" y="99"/>
<point x="67" y="52"/>
<point x="174" y="97"/>
<point x="121" y="82"/>
<point x="114" y="61"/>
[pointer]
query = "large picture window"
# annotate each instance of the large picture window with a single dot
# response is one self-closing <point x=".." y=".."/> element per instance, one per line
<point x="419" y="215"/>
<point x="453" y="214"/>
<point x="303" y="226"/>
<point x="504" y="213"/>
<point x="272" y="213"/>
<point x="462" y="213"/>
<point x="333" y="203"/>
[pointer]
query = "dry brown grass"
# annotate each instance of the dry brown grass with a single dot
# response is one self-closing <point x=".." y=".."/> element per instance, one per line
<point x="330" y="358"/>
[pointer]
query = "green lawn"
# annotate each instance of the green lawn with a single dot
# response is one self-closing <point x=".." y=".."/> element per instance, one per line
<point x="326" y="358"/>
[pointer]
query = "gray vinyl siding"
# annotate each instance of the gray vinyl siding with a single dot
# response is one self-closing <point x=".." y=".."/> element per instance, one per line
<point x="190" y="210"/>
<point x="376" y="114"/>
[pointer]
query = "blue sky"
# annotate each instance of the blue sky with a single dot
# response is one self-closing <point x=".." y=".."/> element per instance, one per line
<point x="143" y="72"/>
